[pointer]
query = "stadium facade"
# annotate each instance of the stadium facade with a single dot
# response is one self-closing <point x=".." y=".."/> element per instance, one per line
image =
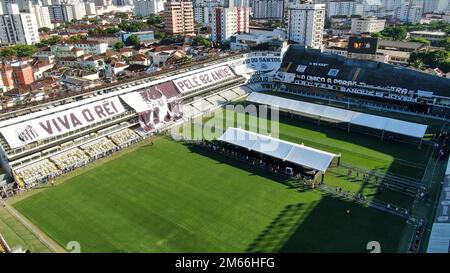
<point x="40" y="142"/>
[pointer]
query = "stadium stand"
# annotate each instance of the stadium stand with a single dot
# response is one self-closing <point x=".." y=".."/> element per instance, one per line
<point x="339" y="77"/>
<point x="242" y="90"/>
<point x="71" y="159"/>
<point x="216" y="100"/>
<point x="4" y="248"/>
<point x="39" y="171"/>
<point x="229" y="95"/>
<point x="191" y="111"/>
<point x="124" y="138"/>
<point x="99" y="148"/>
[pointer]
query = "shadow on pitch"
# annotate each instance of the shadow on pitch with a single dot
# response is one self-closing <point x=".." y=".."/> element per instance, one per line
<point x="221" y="159"/>
<point x="325" y="226"/>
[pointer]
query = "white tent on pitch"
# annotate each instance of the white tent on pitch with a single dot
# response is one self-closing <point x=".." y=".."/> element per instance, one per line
<point x="291" y="152"/>
<point x="333" y="114"/>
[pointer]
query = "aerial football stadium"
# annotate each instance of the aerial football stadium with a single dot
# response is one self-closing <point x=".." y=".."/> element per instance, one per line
<point x="308" y="152"/>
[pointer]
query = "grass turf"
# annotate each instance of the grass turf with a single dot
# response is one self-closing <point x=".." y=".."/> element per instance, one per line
<point x="167" y="198"/>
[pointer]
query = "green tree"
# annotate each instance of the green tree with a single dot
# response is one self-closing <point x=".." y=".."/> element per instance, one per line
<point x="159" y="35"/>
<point x="445" y="43"/>
<point x="397" y="33"/>
<point x="439" y="56"/>
<point x="418" y="64"/>
<point x="133" y="40"/>
<point x="376" y="35"/>
<point x="112" y="30"/>
<point x="94" y="21"/>
<point x="54" y="40"/>
<point x="199" y="40"/>
<point x="44" y="29"/>
<point x="8" y="52"/>
<point x="121" y="15"/>
<point x="133" y="26"/>
<point x="25" y="50"/>
<point x="118" y="46"/>
<point x="432" y="59"/>
<point x="76" y="38"/>
<point x="445" y="66"/>
<point x="154" y="19"/>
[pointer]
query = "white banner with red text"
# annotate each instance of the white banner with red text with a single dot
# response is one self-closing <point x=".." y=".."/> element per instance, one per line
<point x="203" y="79"/>
<point x="63" y="122"/>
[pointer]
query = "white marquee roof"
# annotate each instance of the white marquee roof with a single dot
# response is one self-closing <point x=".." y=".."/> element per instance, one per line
<point x="341" y="115"/>
<point x="287" y="151"/>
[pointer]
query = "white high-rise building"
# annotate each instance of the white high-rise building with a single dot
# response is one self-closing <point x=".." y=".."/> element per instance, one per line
<point x="242" y="3"/>
<point x="147" y="7"/>
<point x="268" y="9"/>
<point x="226" y="22"/>
<point x="123" y="2"/>
<point x="67" y="12"/>
<point x="202" y="15"/>
<point x="42" y="15"/>
<point x="371" y="5"/>
<point x="61" y="13"/>
<point x="408" y="12"/>
<point x="339" y="7"/>
<point x="439" y="6"/>
<point x="56" y="14"/>
<point x="79" y="11"/>
<point x="367" y="25"/>
<point x="391" y="4"/>
<point x="18" y="27"/>
<point x="90" y="8"/>
<point x="103" y="3"/>
<point x="203" y="11"/>
<point x="306" y="23"/>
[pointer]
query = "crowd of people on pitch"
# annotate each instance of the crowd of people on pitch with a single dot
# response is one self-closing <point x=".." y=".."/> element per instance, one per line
<point x="442" y="143"/>
<point x="261" y="161"/>
<point x="420" y="227"/>
<point x="353" y="195"/>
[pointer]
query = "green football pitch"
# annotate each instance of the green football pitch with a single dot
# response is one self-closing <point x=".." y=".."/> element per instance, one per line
<point x="167" y="197"/>
<point x="173" y="197"/>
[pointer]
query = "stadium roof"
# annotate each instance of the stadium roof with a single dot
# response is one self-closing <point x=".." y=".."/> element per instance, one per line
<point x="370" y="73"/>
<point x="439" y="241"/>
<point x="341" y="115"/>
<point x="286" y="151"/>
<point x="400" y="44"/>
